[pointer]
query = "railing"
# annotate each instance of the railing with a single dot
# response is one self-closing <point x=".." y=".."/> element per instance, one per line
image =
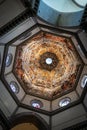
<point x="84" y="18"/>
<point x="19" y="19"/>
<point x="80" y="126"/>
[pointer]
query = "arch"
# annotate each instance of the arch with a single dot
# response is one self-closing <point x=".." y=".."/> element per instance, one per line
<point x="29" y="117"/>
<point x="4" y="123"/>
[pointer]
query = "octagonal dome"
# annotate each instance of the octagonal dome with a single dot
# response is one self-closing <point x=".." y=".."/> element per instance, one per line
<point x="47" y="65"/>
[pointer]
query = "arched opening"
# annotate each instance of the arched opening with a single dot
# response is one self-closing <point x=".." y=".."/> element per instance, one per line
<point x="25" y="126"/>
<point x="28" y="121"/>
<point x="4" y="124"/>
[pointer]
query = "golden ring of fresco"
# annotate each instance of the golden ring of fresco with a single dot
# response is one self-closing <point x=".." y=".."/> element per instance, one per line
<point x="42" y="79"/>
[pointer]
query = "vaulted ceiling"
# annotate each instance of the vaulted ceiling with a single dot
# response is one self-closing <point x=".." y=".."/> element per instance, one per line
<point x="43" y="69"/>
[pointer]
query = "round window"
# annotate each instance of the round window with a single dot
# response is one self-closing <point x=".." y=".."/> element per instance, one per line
<point x="8" y="59"/>
<point x="14" y="87"/>
<point x="84" y="81"/>
<point x="36" y="103"/>
<point x="64" y="102"/>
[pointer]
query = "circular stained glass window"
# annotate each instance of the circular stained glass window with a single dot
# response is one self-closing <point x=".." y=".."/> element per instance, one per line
<point x="64" y="102"/>
<point x="9" y="59"/>
<point x="14" y="87"/>
<point x="36" y="103"/>
<point x="84" y="81"/>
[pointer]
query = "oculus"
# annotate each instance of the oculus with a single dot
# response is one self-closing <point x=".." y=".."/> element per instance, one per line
<point x="9" y="59"/>
<point x="14" y="87"/>
<point x="64" y="102"/>
<point x="84" y="81"/>
<point x="0" y="59"/>
<point x="36" y="103"/>
<point x="48" y="61"/>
